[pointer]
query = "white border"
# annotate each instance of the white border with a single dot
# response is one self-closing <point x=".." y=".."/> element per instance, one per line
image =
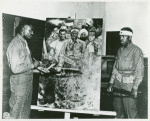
<point x="2" y="3"/>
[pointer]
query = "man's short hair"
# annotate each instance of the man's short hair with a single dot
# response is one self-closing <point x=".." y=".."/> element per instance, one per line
<point x="22" y="24"/>
<point x="127" y="29"/>
<point x="62" y="30"/>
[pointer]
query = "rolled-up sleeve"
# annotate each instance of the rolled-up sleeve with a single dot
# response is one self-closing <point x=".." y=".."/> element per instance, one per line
<point x="17" y="61"/>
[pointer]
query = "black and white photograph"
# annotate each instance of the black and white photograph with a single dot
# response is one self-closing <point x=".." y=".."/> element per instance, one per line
<point x="74" y="60"/>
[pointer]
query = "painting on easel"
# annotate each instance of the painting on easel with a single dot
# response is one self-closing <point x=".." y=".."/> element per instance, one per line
<point x="71" y="64"/>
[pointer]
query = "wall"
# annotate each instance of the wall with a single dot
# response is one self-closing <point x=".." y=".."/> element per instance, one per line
<point x="43" y="10"/>
<point x="131" y="14"/>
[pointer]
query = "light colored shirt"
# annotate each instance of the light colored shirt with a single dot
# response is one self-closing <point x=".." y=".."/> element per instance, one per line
<point x="129" y="60"/>
<point x="90" y="47"/>
<point x="18" y="55"/>
<point x="57" y="46"/>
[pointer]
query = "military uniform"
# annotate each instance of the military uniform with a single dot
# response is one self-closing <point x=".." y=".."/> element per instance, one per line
<point x="127" y="73"/>
<point x="21" y="64"/>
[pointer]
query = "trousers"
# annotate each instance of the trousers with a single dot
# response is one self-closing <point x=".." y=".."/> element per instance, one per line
<point x="21" y="95"/>
<point x="125" y="107"/>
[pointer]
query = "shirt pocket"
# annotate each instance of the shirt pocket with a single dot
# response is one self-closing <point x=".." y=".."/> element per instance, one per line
<point x="127" y="62"/>
<point x="127" y="58"/>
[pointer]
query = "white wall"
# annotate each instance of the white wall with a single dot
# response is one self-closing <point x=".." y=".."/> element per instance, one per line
<point x="129" y="14"/>
<point x="43" y="10"/>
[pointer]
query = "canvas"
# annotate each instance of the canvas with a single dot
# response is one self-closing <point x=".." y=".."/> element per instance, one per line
<point x="77" y="85"/>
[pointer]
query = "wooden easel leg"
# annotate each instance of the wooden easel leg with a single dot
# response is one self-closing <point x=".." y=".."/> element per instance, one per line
<point x="67" y="116"/>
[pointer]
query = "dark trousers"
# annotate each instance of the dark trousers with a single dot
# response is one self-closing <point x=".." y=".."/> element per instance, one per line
<point x="125" y="107"/>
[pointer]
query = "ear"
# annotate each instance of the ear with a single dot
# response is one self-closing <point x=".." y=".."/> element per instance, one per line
<point x="22" y="30"/>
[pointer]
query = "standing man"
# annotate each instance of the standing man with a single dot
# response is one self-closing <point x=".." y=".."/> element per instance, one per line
<point x="20" y="62"/>
<point x="127" y="74"/>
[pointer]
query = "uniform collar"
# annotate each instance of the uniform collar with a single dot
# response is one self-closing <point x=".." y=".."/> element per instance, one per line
<point x="129" y="46"/>
<point x="22" y="39"/>
<point x="25" y="42"/>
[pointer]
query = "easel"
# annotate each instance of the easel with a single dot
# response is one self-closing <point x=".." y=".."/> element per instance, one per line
<point x="67" y="112"/>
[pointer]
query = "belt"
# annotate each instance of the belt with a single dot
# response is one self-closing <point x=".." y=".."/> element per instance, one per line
<point x="127" y="72"/>
<point x="125" y="76"/>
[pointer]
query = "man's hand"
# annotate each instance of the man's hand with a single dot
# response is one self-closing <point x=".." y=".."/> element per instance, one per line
<point x="36" y="63"/>
<point x="134" y="93"/>
<point x="109" y="89"/>
<point x="58" y="69"/>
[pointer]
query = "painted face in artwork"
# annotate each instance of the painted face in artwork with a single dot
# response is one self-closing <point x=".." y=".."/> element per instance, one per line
<point x="83" y="36"/>
<point x="98" y="31"/>
<point x="74" y="35"/>
<point x="62" y="35"/>
<point x="91" y="36"/>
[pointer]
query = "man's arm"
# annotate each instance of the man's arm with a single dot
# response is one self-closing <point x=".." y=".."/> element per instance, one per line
<point x="17" y="63"/>
<point x="139" y="72"/>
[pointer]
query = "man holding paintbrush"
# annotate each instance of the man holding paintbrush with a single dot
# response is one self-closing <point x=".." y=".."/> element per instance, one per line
<point x="21" y="64"/>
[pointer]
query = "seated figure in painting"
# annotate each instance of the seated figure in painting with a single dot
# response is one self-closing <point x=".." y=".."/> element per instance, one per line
<point x="73" y="50"/>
